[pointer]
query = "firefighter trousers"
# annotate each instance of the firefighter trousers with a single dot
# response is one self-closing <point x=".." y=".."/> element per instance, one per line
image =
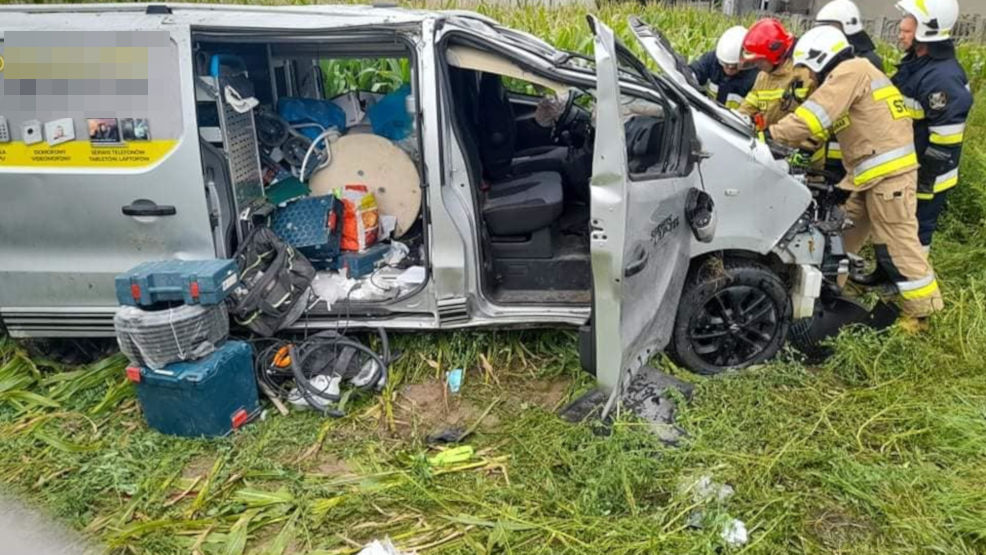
<point x="886" y="214"/>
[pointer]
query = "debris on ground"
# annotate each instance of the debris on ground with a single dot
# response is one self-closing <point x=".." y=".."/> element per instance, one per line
<point x="649" y="396"/>
<point x="385" y="547"/>
<point x="454" y="378"/>
<point x="704" y="489"/>
<point x="454" y="434"/>
<point x="734" y="533"/>
<point x="452" y="455"/>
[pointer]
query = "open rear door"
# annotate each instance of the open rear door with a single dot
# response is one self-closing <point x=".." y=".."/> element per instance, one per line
<point x="639" y="234"/>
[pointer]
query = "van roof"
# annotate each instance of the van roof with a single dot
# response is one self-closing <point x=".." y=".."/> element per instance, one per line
<point x="241" y="16"/>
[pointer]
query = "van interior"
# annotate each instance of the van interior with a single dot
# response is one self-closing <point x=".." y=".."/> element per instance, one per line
<point x="528" y="143"/>
<point x="526" y="140"/>
<point x="289" y="120"/>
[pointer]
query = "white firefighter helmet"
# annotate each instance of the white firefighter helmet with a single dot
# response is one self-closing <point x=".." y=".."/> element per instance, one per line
<point x="730" y="45"/>
<point x="819" y="46"/>
<point x="843" y="12"/>
<point x="935" y="18"/>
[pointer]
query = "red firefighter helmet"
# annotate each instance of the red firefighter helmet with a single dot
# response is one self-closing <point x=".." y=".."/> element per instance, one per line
<point x="767" y="40"/>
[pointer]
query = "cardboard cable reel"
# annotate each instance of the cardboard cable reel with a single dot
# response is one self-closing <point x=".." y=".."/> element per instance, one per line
<point x="384" y="168"/>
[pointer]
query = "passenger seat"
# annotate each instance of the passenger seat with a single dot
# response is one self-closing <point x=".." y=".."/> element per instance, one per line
<point x="498" y="130"/>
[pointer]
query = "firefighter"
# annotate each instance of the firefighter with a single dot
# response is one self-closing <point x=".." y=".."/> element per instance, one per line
<point x="719" y="72"/>
<point x="844" y="15"/>
<point x="936" y="92"/>
<point x="780" y="87"/>
<point x="859" y="105"/>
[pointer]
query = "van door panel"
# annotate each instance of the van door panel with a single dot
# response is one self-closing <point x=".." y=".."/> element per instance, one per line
<point x="639" y="239"/>
<point x="62" y="222"/>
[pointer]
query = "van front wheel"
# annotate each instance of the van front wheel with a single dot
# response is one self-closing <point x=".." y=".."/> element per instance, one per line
<point x="732" y="314"/>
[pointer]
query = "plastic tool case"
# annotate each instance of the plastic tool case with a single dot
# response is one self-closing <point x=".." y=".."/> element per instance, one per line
<point x="208" y="397"/>
<point x="205" y="282"/>
<point x="313" y="225"/>
<point x="359" y="264"/>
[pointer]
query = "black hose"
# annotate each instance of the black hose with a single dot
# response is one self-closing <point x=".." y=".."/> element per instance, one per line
<point x="303" y="367"/>
<point x="307" y="390"/>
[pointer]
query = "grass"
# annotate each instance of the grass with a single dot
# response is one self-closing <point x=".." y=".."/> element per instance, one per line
<point x="879" y="450"/>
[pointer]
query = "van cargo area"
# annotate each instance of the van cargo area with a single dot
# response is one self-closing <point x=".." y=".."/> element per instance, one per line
<point x="327" y="133"/>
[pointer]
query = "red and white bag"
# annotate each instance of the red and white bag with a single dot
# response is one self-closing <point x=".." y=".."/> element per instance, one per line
<point x="360" y="218"/>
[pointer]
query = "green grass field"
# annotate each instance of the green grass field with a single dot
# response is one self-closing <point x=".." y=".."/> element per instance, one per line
<point x="880" y="450"/>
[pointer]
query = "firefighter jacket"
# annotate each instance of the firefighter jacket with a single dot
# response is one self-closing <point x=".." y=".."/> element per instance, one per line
<point x="863" y="47"/>
<point x="865" y="112"/>
<point x="724" y="89"/>
<point x="936" y="93"/>
<point x="778" y="93"/>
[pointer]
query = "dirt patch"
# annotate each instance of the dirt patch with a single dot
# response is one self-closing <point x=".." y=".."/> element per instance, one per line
<point x="424" y="409"/>
<point x="199" y="465"/>
<point x="331" y="465"/>
<point x="421" y="410"/>
<point x="838" y="530"/>
<point x="547" y="394"/>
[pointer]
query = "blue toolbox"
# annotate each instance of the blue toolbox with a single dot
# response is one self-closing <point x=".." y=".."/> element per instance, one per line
<point x="313" y="225"/>
<point x="211" y="396"/>
<point x="205" y="282"/>
<point x="359" y="264"/>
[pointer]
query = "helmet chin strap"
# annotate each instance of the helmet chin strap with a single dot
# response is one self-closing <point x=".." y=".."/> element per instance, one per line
<point x="784" y="59"/>
<point x="838" y="59"/>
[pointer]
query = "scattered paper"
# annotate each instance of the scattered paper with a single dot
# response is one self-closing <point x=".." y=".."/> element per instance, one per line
<point x="387" y="224"/>
<point x="385" y="547"/>
<point x="398" y="252"/>
<point x="734" y="533"/>
<point x="331" y="287"/>
<point x="704" y="489"/>
<point x="412" y="276"/>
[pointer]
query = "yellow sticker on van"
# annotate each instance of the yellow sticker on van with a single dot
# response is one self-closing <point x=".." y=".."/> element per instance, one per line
<point x="81" y="154"/>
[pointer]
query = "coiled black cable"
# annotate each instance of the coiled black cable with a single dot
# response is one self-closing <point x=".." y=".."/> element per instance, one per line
<point x="325" y="353"/>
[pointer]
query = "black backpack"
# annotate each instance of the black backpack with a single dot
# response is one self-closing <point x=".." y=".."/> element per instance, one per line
<point x="274" y="283"/>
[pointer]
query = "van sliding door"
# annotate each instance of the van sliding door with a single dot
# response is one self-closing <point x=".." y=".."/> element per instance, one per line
<point x="101" y="171"/>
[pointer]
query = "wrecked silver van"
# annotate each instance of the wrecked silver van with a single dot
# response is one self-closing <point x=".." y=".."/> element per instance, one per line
<point x="531" y="186"/>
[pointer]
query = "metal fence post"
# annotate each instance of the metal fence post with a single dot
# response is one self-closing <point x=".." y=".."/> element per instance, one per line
<point x="879" y="27"/>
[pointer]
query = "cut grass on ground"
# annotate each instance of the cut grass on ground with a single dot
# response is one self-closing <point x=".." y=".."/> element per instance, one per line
<point x="879" y="450"/>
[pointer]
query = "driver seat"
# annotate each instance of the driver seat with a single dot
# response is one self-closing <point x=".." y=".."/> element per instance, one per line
<point x="498" y="135"/>
<point x="513" y="206"/>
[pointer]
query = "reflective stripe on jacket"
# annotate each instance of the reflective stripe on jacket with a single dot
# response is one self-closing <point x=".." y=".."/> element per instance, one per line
<point x="779" y="92"/>
<point x="937" y="96"/>
<point x="866" y="114"/>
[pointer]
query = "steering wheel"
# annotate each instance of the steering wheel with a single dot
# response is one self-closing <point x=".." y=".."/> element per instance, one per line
<point x="568" y="115"/>
<point x="573" y="127"/>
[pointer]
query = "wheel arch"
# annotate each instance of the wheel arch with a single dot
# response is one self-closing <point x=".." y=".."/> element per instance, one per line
<point x="770" y="260"/>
